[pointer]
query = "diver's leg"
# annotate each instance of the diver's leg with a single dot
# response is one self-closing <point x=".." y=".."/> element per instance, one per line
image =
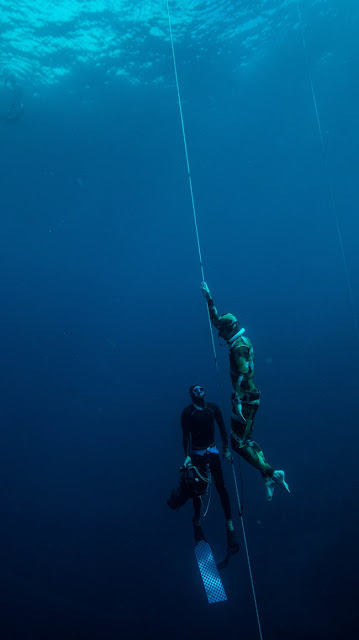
<point x="217" y="475"/>
<point x="270" y="475"/>
<point x="243" y="444"/>
<point x="215" y="468"/>
<point x="197" y="528"/>
<point x="198" y="461"/>
<point x="249" y="413"/>
<point x="253" y="454"/>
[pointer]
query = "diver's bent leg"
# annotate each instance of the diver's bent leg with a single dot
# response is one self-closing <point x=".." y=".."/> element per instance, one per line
<point x="244" y="430"/>
<point x="252" y="453"/>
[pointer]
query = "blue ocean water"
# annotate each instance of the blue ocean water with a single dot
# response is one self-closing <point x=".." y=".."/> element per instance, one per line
<point x="104" y="326"/>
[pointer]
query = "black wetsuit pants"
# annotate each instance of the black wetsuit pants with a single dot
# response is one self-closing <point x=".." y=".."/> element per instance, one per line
<point x="215" y="468"/>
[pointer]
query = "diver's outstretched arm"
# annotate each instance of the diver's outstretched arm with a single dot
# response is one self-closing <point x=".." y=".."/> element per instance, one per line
<point x="213" y="313"/>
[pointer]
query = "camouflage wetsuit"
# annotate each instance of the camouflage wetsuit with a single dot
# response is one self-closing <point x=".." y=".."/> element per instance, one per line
<point x="242" y="369"/>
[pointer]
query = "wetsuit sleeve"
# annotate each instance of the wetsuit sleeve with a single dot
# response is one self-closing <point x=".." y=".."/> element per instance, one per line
<point x="241" y="356"/>
<point x="213" y="313"/>
<point x="222" y="427"/>
<point x="185" y="423"/>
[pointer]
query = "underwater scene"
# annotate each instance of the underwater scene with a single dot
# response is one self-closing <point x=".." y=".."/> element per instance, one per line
<point x="179" y="200"/>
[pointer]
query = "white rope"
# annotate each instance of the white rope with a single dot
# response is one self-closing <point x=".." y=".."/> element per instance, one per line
<point x="247" y="553"/>
<point x="326" y="171"/>
<point x="209" y="320"/>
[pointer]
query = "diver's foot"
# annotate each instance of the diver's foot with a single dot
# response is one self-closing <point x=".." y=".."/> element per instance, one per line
<point x="279" y="479"/>
<point x="232" y="543"/>
<point x="198" y="532"/>
<point x="269" y="486"/>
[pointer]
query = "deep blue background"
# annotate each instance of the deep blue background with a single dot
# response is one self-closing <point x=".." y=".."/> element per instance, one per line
<point x="104" y="328"/>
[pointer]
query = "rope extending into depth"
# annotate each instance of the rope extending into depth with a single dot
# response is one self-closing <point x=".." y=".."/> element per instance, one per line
<point x="209" y="320"/>
<point x="326" y="171"/>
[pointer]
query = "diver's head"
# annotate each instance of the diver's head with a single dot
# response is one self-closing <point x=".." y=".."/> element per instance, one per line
<point x="196" y="392"/>
<point x="228" y="326"/>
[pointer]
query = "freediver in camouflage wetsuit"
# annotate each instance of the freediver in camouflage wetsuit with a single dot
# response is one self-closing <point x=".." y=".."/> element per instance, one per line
<point x="246" y="397"/>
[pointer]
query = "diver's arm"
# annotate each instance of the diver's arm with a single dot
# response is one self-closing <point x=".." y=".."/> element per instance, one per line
<point x="213" y="313"/>
<point x="242" y="367"/>
<point x="238" y="391"/>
